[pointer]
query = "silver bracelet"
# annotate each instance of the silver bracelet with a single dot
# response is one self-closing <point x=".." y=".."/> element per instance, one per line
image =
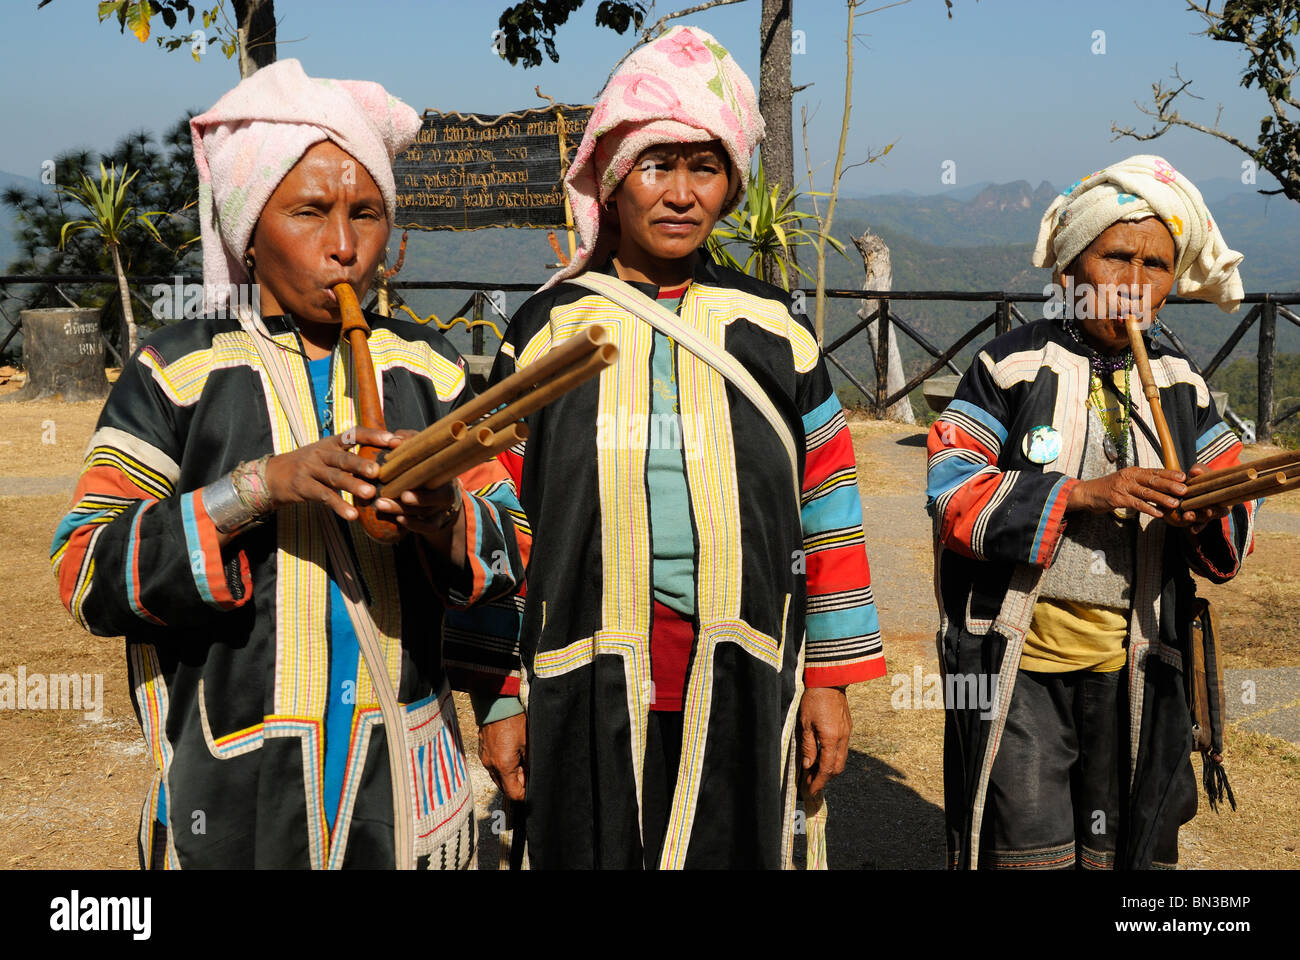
<point x="228" y="512"/>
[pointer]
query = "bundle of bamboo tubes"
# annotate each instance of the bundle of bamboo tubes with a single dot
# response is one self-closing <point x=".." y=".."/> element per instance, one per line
<point x="1230" y="486"/>
<point x="477" y="430"/>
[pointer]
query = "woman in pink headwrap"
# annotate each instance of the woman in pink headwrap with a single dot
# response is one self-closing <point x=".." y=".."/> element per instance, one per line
<point x="273" y="648"/>
<point x="705" y="596"/>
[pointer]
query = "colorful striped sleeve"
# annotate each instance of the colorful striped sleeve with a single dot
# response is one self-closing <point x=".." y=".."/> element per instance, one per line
<point x="843" y="631"/>
<point x="481" y="624"/>
<point x="1217" y="551"/>
<point x="985" y="512"/>
<point x="130" y="548"/>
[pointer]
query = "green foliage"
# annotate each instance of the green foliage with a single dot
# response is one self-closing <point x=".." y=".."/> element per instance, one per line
<point x="110" y="215"/>
<point x="166" y="182"/>
<point x="1264" y="29"/>
<point x="1240" y="378"/>
<point x="766" y="226"/>
<point x="529" y="27"/>
<point x="137" y="15"/>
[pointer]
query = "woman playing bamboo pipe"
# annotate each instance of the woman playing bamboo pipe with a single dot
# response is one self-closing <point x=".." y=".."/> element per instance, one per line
<point x="1062" y="568"/>
<point x="664" y="637"/>
<point x="207" y="534"/>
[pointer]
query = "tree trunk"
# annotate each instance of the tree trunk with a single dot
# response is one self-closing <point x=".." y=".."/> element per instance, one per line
<point x="256" y="24"/>
<point x="880" y="276"/>
<point x="63" y="355"/>
<point x="775" y="103"/>
<point x="128" y="318"/>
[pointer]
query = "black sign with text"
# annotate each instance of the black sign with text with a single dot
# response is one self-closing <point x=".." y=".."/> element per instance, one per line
<point x="467" y="171"/>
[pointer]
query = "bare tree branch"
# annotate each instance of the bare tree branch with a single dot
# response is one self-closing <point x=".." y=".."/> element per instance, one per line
<point x="656" y="29"/>
<point x="650" y="33"/>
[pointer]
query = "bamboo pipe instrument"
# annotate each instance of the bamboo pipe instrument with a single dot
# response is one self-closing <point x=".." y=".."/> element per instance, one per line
<point x="443" y="451"/>
<point x="430" y="440"/>
<point x="1261" y="466"/>
<point x="1167" y="450"/>
<point x="1240" y="493"/>
<point x="1219" y="480"/>
<point x="476" y="447"/>
<point x="596" y="361"/>
<point x="370" y="412"/>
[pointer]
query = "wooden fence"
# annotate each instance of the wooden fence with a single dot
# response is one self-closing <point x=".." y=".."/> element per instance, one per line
<point x="1265" y="309"/>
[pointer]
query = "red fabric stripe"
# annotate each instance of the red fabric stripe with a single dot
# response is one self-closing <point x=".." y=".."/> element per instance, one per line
<point x="670" y="650"/>
<point x="956" y="437"/>
<point x="841" y="568"/>
<point x="1055" y="524"/>
<point x="213" y="567"/>
<point x="958" y="522"/>
<point x="135" y="567"/>
<point x="857" y="672"/>
<point x="477" y="570"/>
<point x="835" y="454"/>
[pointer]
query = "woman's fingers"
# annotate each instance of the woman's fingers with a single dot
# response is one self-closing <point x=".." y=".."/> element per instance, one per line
<point x="371" y="437"/>
<point x="310" y="489"/>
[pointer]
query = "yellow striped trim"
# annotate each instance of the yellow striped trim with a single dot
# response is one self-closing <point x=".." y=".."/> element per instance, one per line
<point x="697" y="709"/>
<point x="713" y="487"/>
<point x="151" y="481"/>
<point x="555" y="663"/>
<point x="182" y="379"/>
<point x="725" y="304"/>
<point x="388" y="351"/>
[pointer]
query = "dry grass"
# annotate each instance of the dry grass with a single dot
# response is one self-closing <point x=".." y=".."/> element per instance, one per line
<point x="70" y="788"/>
<point x="1259" y="609"/>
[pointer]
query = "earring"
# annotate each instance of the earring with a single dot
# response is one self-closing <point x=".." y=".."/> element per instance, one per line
<point x="248" y="261"/>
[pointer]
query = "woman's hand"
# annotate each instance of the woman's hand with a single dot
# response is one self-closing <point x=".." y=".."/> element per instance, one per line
<point x="1197" y="519"/>
<point x="1138" y="488"/>
<point x="317" y="472"/>
<point x="824" y="727"/>
<point x="435" y="513"/>
<point x="503" y="751"/>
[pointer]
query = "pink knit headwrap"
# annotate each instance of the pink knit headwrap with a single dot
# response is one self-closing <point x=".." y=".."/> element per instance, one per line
<point x="253" y="136"/>
<point x="682" y="88"/>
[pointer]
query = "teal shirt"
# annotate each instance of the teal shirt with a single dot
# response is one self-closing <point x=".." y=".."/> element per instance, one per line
<point x="672" y="537"/>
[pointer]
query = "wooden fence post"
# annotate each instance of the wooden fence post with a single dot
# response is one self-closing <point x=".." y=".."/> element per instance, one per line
<point x="1004" y="317"/>
<point x="1267" y="351"/>
<point x="476" y="335"/>
<point x="882" y="359"/>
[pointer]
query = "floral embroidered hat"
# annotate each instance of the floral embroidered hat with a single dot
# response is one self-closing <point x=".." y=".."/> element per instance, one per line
<point x="681" y="88"/>
<point x="250" y="139"/>
<point x="1135" y="188"/>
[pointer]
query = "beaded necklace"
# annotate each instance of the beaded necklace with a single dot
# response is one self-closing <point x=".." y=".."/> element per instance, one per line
<point x="1115" y="443"/>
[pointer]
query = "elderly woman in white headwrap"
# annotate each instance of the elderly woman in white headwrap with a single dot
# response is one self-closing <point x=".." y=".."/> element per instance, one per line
<point x="273" y="648"/>
<point x="705" y="594"/>
<point x="1062" y="572"/>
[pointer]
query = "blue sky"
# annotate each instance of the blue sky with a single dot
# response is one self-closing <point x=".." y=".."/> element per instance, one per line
<point x="1006" y="90"/>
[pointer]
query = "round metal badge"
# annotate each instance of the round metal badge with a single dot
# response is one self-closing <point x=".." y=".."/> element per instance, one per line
<point x="1042" y="444"/>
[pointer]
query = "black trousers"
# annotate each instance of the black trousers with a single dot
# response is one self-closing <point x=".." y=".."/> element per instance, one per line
<point x="1054" y="797"/>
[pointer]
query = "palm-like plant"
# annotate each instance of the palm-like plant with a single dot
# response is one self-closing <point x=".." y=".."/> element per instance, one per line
<point x="111" y="216"/>
<point x="766" y="227"/>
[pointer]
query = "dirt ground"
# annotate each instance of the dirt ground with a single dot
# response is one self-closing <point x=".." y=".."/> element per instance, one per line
<point x="71" y="787"/>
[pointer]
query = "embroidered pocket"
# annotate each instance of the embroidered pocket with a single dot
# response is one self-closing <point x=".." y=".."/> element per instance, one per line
<point x="441" y="797"/>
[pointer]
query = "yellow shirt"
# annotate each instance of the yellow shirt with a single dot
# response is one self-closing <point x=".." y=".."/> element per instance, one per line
<point x="1066" y="636"/>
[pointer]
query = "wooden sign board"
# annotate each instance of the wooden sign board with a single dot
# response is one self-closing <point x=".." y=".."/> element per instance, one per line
<point x="467" y="171"/>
